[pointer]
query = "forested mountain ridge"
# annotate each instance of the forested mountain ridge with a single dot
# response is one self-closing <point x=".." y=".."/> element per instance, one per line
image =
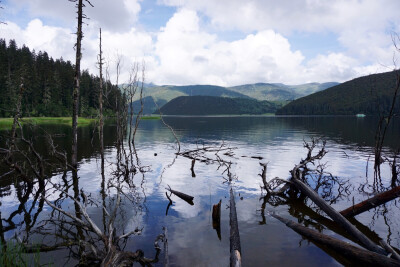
<point x="370" y="95"/>
<point x="47" y="84"/>
<point x="212" y="105"/>
<point x="279" y="91"/>
<point x="166" y="93"/>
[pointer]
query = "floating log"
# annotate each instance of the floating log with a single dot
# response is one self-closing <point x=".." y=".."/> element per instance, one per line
<point x="337" y="217"/>
<point x="356" y="254"/>
<point x="264" y="175"/>
<point x="297" y="207"/>
<point x="372" y="202"/>
<point x="216" y="218"/>
<point x="166" y="258"/>
<point x="236" y="251"/>
<point x="389" y="249"/>
<point x="192" y="168"/>
<point x="169" y="204"/>
<point x="187" y="198"/>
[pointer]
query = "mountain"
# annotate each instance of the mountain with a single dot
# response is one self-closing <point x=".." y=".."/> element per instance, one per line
<point x="169" y="92"/>
<point x="165" y="93"/>
<point x="279" y="91"/>
<point x="368" y="95"/>
<point x="149" y="105"/>
<point x="212" y="105"/>
<point x="260" y="91"/>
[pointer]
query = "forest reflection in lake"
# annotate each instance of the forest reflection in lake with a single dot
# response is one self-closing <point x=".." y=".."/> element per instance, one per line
<point x="192" y="240"/>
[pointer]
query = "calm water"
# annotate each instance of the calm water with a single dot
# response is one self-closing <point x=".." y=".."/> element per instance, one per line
<point x="192" y="240"/>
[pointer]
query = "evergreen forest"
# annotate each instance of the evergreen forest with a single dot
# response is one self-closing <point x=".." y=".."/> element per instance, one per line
<point x="46" y="85"/>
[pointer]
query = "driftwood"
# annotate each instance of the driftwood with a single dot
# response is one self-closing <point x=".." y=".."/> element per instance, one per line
<point x="187" y="198"/>
<point x="336" y="216"/>
<point x="273" y="184"/>
<point x="216" y="218"/>
<point x="169" y="204"/>
<point x="192" y="168"/>
<point x="359" y="255"/>
<point x="389" y="249"/>
<point x="236" y="251"/>
<point x="166" y="258"/>
<point x="298" y="207"/>
<point x="372" y="202"/>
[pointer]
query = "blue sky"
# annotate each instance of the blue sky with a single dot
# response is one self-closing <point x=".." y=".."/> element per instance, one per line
<point x="222" y="42"/>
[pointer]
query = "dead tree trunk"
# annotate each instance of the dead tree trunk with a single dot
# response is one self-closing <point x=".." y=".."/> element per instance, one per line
<point x="372" y="202"/>
<point x="216" y="218"/>
<point x="336" y="216"/>
<point x="101" y="122"/>
<point x="236" y="251"/>
<point x="192" y="168"/>
<point x="187" y="198"/>
<point x="75" y="94"/>
<point x="359" y="255"/>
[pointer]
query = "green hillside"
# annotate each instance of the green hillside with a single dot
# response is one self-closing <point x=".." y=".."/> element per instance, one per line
<point x="149" y="105"/>
<point x="169" y="92"/>
<point x="261" y="91"/>
<point x="211" y="105"/>
<point x="279" y="91"/>
<point x="366" y="95"/>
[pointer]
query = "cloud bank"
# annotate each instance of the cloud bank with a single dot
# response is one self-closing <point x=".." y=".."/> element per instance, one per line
<point x="191" y="49"/>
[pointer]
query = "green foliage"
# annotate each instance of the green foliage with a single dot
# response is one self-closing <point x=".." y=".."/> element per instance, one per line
<point x="151" y="118"/>
<point x="371" y="95"/>
<point x="48" y="84"/>
<point x="211" y="105"/>
<point x="6" y="123"/>
<point x="12" y="255"/>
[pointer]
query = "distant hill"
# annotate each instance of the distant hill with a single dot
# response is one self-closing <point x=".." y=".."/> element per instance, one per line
<point x="279" y="91"/>
<point x="165" y="93"/>
<point x="366" y="95"/>
<point x="169" y="92"/>
<point x="212" y="105"/>
<point x="149" y="105"/>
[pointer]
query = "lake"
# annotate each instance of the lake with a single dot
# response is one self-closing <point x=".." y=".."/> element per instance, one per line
<point x="242" y="144"/>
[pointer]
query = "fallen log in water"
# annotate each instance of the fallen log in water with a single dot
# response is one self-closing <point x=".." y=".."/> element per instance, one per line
<point x="216" y="218"/>
<point x="236" y="251"/>
<point x="187" y="198"/>
<point x="359" y="255"/>
<point x="372" y="202"/>
<point x="192" y="168"/>
<point x="336" y="216"/>
<point x="166" y="258"/>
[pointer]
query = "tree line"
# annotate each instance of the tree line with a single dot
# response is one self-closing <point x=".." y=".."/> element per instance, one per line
<point x="47" y="85"/>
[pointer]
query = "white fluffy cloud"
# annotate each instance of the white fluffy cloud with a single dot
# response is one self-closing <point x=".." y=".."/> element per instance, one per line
<point x="362" y="27"/>
<point x="57" y="42"/>
<point x="188" y="54"/>
<point x="115" y="15"/>
<point x="301" y="15"/>
<point x="184" y="51"/>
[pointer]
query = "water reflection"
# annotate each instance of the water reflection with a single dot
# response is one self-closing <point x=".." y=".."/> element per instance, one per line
<point x="277" y="140"/>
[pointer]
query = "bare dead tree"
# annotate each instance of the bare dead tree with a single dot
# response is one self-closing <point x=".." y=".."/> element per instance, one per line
<point x="101" y="122"/>
<point x="300" y="176"/>
<point x="75" y="95"/>
<point x="385" y="119"/>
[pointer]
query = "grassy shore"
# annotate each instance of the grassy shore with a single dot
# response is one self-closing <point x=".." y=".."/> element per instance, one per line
<point x="151" y="118"/>
<point x="6" y="123"/>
